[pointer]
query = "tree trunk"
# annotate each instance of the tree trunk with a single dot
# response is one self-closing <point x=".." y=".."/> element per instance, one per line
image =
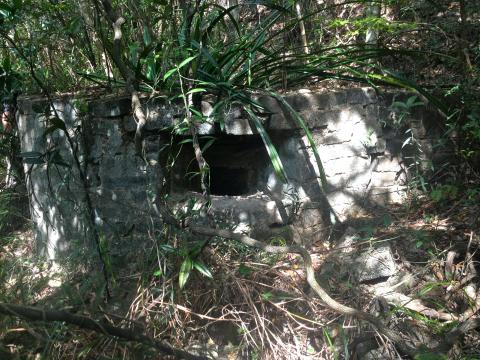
<point x="301" y="24"/>
<point x="371" y="36"/>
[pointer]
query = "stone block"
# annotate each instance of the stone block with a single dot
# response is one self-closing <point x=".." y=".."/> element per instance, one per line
<point x="330" y="101"/>
<point x="362" y="96"/>
<point x="387" y="164"/>
<point x="394" y="194"/>
<point x="157" y="119"/>
<point x="351" y="165"/>
<point x="340" y="198"/>
<point x="315" y="119"/>
<point x="238" y="126"/>
<point x="28" y="106"/>
<point x="112" y="182"/>
<point x="332" y="118"/>
<point x="205" y="128"/>
<point x="374" y="264"/>
<point x="346" y="125"/>
<point x="386" y="179"/>
<point x="358" y="182"/>
<point x="107" y="108"/>
<point x="325" y="101"/>
<point x="270" y="103"/>
<point x="279" y="121"/>
<point x="298" y="102"/>
<point x="335" y="151"/>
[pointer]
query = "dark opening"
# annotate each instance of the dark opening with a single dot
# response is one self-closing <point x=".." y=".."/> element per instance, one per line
<point x="237" y="165"/>
<point x="228" y="181"/>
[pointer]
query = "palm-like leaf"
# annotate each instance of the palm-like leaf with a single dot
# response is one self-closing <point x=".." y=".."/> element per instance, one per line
<point x="253" y="60"/>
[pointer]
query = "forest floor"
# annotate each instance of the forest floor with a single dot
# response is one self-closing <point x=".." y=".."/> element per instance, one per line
<point x="258" y="305"/>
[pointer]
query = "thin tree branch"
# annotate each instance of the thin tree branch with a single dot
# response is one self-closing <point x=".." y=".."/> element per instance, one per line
<point x="128" y="75"/>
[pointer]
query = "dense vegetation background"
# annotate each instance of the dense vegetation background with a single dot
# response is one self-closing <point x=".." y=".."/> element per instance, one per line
<point x="230" y="51"/>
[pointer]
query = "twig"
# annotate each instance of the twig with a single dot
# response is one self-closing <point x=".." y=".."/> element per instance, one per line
<point x="452" y="289"/>
<point x="467" y="253"/>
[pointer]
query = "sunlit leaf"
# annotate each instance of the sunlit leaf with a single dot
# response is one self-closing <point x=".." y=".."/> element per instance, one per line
<point x="150" y="74"/>
<point x="208" y="144"/>
<point x="267" y="296"/>
<point x="406" y="142"/>
<point x="185" y="270"/>
<point x="201" y="267"/>
<point x="185" y="141"/>
<point x="146" y="36"/>
<point x="271" y="150"/>
<point x="167" y="248"/>
<point x="186" y="61"/>
<point x="158" y="273"/>
<point x="196" y="90"/>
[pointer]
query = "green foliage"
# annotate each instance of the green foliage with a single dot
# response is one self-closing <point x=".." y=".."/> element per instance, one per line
<point x="330" y="343"/>
<point x="430" y="356"/>
<point x="421" y="238"/>
<point x="185" y="269"/>
<point x="245" y="270"/>
<point x="272" y="151"/>
<point x="444" y="193"/>
<point x="189" y="263"/>
<point x="253" y="60"/>
<point x="428" y="287"/>
<point x="360" y="26"/>
<point x="436" y="326"/>
<point x="403" y="109"/>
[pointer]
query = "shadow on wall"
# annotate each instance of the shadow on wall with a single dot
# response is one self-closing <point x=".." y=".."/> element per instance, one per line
<point x="54" y="189"/>
<point x="355" y="132"/>
<point x="363" y="147"/>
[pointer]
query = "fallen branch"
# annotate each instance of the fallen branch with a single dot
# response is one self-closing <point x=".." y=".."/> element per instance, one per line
<point x="416" y="305"/>
<point x="35" y="314"/>
<point x="452" y="337"/>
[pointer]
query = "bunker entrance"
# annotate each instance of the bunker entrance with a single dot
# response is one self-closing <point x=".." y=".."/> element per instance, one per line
<point x="229" y="181"/>
<point x="239" y="165"/>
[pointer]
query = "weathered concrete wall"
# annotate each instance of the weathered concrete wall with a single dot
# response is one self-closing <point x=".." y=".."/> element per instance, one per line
<point x="56" y="199"/>
<point x="355" y="133"/>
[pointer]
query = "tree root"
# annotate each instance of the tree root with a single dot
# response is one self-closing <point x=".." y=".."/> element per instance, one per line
<point x="467" y="321"/>
<point x="31" y="313"/>
<point x="311" y="280"/>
